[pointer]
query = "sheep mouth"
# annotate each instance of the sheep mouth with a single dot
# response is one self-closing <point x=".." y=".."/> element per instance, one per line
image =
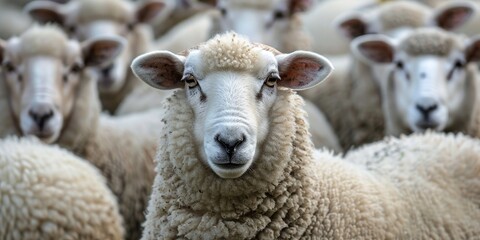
<point x="424" y="125"/>
<point x="229" y="166"/>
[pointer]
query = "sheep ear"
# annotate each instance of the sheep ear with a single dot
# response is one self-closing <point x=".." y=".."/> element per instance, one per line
<point x="160" y="69"/>
<point x="148" y="10"/>
<point x="301" y="70"/>
<point x="45" y="12"/>
<point x="351" y="25"/>
<point x="373" y="49"/>
<point x="101" y="51"/>
<point x="472" y="52"/>
<point x="453" y="15"/>
<point x="296" y="6"/>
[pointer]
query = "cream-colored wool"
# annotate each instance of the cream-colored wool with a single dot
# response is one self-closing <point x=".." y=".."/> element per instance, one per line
<point x="48" y="193"/>
<point x="429" y="42"/>
<point x="234" y="53"/>
<point x="34" y="43"/>
<point x="92" y="10"/>
<point x="402" y="14"/>
<point x="351" y="102"/>
<point x="122" y="148"/>
<point x="12" y="21"/>
<point x="289" y="194"/>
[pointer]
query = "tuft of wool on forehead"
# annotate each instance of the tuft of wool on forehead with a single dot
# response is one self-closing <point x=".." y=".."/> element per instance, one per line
<point x="260" y="4"/>
<point x="429" y="42"/>
<point x="229" y="51"/>
<point x="43" y="40"/>
<point x="93" y="10"/>
<point x="403" y="14"/>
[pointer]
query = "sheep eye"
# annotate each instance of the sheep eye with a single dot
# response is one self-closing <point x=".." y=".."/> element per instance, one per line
<point x="130" y="26"/>
<point x="223" y="11"/>
<point x="9" y="67"/>
<point x="400" y="65"/>
<point x="278" y="15"/>
<point x="71" y="29"/>
<point x="76" y="69"/>
<point x="459" y="64"/>
<point x="271" y="80"/>
<point x="191" y="81"/>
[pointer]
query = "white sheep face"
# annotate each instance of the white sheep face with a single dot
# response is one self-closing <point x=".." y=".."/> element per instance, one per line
<point x="429" y="91"/>
<point x="42" y="85"/>
<point x="90" y="19"/>
<point x="425" y="78"/>
<point x="231" y="104"/>
<point x="263" y="22"/>
<point x="231" y="110"/>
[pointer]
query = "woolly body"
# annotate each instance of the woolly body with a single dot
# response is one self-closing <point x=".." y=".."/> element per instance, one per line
<point x="48" y="193"/>
<point x="289" y="194"/>
<point x="122" y="148"/>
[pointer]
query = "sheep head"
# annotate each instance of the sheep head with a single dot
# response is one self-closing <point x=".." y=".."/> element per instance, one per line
<point x="43" y="70"/>
<point x="231" y="86"/>
<point x="397" y="18"/>
<point x="87" y="19"/>
<point x="429" y="83"/>
<point x="263" y="21"/>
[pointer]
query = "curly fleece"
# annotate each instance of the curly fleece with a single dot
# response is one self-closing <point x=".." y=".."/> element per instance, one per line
<point x="122" y="148"/>
<point x="287" y="194"/>
<point x="48" y="193"/>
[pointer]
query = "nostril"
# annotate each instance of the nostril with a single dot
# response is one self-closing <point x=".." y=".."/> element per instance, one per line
<point x="106" y="71"/>
<point x="230" y="146"/>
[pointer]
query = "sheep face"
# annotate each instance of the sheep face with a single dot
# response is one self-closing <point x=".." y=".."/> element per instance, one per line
<point x="428" y="85"/>
<point x="260" y="21"/>
<point x="42" y="85"/>
<point x="89" y="19"/>
<point x="231" y="96"/>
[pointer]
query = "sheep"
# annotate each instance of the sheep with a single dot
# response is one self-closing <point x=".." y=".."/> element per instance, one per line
<point x="272" y="22"/>
<point x="430" y="81"/>
<point x="85" y="19"/>
<point x="235" y="160"/>
<point x="12" y="21"/>
<point x="175" y="12"/>
<point x="49" y="193"/>
<point x="351" y="100"/>
<point x="58" y="103"/>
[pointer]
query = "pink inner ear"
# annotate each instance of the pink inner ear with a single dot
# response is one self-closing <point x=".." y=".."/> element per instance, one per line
<point x="453" y="18"/>
<point x="163" y="73"/>
<point x="353" y="28"/>
<point x="300" y="73"/>
<point x="376" y="51"/>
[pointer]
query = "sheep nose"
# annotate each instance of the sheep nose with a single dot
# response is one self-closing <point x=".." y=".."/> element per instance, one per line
<point x="106" y="71"/>
<point x="230" y="144"/>
<point x="426" y="109"/>
<point x="41" y="113"/>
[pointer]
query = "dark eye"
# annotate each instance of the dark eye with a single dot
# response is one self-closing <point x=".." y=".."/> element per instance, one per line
<point x="9" y="67"/>
<point x="278" y="15"/>
<point x="399" y="65"/>
<point x="130" y="26"/>
<point x="223" y="11"/>
<point x="272" y="80"/>
<point x="191" y="81"/>
<point x="76" y="69"/>
<point x="459" y="64"/>
<point x="71" y="29"/>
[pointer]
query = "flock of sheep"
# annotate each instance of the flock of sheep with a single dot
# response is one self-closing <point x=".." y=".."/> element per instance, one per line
<point x="180" y="119"/>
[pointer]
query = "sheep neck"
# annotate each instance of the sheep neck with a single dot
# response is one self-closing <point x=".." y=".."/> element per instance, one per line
<point x="275" y="182"/>
<point x="83" y="121"/>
